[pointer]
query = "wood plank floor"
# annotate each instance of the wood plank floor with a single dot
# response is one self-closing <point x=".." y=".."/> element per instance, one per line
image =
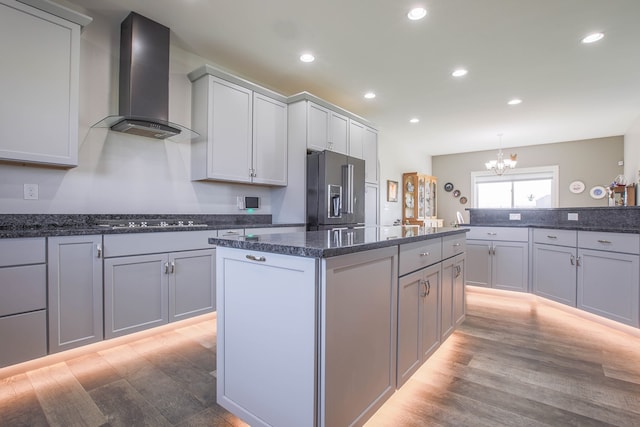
<point x="514" y="362"/>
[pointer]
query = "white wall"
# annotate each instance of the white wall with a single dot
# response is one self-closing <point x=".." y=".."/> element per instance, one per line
<point x="393" y="163"/>
<point x="119" y="173"/>
<point x="632" y="154"/>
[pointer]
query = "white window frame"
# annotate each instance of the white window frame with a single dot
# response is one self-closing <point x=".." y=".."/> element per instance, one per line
<point x="552" y="172"/>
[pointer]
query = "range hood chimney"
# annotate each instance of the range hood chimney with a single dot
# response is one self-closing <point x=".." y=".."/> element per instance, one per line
<point x="144" y="81"/>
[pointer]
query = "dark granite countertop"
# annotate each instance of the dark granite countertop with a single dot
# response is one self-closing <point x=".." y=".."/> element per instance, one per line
<point x="328" y="243"/>
<point x="45" y="225"/>
<point x="617" y="219"/>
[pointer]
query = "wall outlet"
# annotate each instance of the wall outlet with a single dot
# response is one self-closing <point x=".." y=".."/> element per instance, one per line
<point x="514" y="217"/>
<point x="31" y="191"/>
<point x="572" y="217"/>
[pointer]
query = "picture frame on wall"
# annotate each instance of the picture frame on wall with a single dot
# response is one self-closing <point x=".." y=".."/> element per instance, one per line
<point x="392" y="191"/>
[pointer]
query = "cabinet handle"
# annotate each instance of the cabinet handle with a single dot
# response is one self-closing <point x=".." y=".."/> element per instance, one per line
<point x="98" y="251"/>
<point x="490" y="250"/>
<point x="425" y="254"/>
<point x="458" y="270"/>
<point x="551" y="237"/>
<point x="256" y="258"/>
<point x="428" y="284"/>
<point x="573" y="260"/>
<point x="173" y="267"/>
<point x="607" y="242"/>
<point x="166" y="268"/>
<point x="423" y="293"/>
<point x="578" y="261"/>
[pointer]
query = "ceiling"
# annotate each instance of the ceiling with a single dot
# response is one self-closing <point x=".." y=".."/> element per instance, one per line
<point x="512" y="48"/>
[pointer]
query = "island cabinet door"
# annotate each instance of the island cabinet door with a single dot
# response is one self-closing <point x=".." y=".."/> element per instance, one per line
<point x="266" y="337"/>
<point x="358" y="328"/>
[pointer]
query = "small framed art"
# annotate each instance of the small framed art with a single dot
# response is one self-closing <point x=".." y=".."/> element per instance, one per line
<point x="392" y="191"/>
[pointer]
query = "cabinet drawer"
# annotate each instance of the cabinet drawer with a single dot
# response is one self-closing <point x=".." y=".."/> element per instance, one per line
<point x="22" y="289"/>
<point x="416" y="255"/>
<point x="513" y="234"/>
<point x="555" y="237"/>
<point x="27" y="335"/>
<point x="153" y="243"/>
<point x="22" y="251"/>
<point x="233" y="232"/>
<point x="614" y="242"/>
<point x="453" y="245"/>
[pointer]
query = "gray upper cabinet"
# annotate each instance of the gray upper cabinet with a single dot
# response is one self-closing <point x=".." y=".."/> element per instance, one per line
<point x="39" y="82"/>
<point x="243" y="133"/>
<point x="327" y="129"/>
<point x="75" y="291"/>
<point x="370" y="155"/>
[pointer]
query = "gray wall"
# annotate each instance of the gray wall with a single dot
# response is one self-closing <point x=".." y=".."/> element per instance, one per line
<point x="593" y="161"/>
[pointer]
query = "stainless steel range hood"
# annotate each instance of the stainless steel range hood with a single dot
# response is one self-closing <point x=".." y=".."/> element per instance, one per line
<point x="144" y="82"/>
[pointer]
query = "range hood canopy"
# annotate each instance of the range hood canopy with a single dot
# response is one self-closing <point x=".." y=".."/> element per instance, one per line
<point x="144" y="82"/>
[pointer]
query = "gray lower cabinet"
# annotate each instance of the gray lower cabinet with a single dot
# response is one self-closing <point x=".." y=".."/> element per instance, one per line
<point x="136" y="295"/>
<point x="358" y="335"/>
<point x="418" y="319"/>
<point x="23" y="300"/>
<point x="267" y="337"/>
<point x="74" y="291"/>
<point x="191" y="279"/>
<point x="555" y="272"/>
<point x="498" y="264"/>
<point x="459" y="297"/>
<point x="608" y="285"/>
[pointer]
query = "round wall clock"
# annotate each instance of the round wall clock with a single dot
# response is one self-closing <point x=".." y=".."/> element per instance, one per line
<point x="576" y="187"/>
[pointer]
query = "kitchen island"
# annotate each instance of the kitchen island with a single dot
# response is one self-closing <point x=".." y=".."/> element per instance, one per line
<point x="313" y="327"/>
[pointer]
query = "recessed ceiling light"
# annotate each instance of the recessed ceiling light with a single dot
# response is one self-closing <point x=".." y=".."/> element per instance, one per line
<point x="369" y="95"/>
<point x="459" y="72"/>
<point x="307" y="57"/>
<point x="417" y="13"/>
<point x="414" y="120"/>
<point x="592" y="38"/>
<point x="515" y="101"/>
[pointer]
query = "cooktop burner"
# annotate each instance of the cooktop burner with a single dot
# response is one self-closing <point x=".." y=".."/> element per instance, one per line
<point x="120" y="224"/>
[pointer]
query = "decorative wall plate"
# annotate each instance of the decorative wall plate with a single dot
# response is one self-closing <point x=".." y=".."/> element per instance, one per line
<point x="463" y="200"/>
<point x="576" y="187"/>
<point x="409" y="186"/>
<point x="456" y="193"/>
<point x="448" y="187"/>
<point x="598" y="192"/>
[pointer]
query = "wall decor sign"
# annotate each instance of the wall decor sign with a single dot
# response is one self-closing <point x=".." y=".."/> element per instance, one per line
<point x="392" y="191"/>
<point x="576" y="187"/>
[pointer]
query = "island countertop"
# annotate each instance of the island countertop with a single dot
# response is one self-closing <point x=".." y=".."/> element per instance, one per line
<point x="329" y="243"/>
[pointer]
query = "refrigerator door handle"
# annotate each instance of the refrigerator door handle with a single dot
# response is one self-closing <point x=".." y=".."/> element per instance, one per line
<point x="348" y="182"/>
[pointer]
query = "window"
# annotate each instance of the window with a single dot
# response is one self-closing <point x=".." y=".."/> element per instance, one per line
<point x="519" y="188"/>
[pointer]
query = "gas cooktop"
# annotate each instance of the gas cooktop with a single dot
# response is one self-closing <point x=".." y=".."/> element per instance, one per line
<point x="151" y="223"/>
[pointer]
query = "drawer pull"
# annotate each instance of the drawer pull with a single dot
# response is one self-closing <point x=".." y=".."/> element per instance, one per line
<point x="551" y="237"/>
<point x="425" y="254"/>
<point x="256" y="258"/>
<point x="455" y="245"/>
<point x="607" y="242"/>
<point x="492" y="234"/>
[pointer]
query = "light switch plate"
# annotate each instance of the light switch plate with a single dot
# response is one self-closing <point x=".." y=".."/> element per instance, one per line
<point x="515" y="217"/>
<point x="572" y="217"/>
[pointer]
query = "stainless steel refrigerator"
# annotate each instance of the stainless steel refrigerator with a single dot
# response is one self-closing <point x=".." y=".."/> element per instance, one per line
<point x="335" y="191"/>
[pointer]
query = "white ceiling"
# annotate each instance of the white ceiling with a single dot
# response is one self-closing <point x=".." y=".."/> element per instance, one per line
<point x="528" y="49"/>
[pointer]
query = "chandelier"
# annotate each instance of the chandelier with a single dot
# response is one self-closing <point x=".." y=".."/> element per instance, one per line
<point x="501" y="165"/>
